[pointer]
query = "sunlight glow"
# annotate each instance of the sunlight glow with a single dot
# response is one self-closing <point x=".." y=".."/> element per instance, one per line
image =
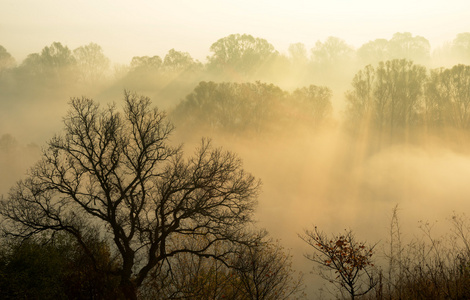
<point x="153" y="27"/>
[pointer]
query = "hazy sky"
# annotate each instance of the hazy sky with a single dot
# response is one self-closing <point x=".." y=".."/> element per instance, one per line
<point x="149" y="27"/>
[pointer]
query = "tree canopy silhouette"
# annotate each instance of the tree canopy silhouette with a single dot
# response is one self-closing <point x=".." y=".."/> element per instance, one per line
<point x="116" y="171"/>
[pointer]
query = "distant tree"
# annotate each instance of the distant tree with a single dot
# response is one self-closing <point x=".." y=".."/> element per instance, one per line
<point x="406" y="46"/>
<point x="344" y="261"/>
<point x="333" y="52"/>
<point x="361" y="108"/>
<point x="55" y="63"/>
<point x="231" y="107"/>
<point x="400" y="46"/>
<point x="437" y="103"/>
<point x="332" y="61"/>
<point x="399" y="87"/>
<point x="374" y="52"/>
<point x="91" y="62"/>
<point x="6" y="60"/>
<point x="313" y="103"/>
<point x="461" y="47"/>
<point x="7" y="143"/>
<point x="145" y="73"/>
<point x="57" y="56"/>
<point x="243" y="54"/>
<point x="177" y="61"/>
<point x="145" y="63"/>
<point x="297" y="67"/>
<point x="252" y="108"/>
<point x="298" y="54"/>
<point x="117" y="172"/>
<point x="447" y="101"/>
<point x="388" y="96"/>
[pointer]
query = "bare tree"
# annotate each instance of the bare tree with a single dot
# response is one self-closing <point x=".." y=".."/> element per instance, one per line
<point x="264" y="272"/>
<point x="261" y="271"/>
<point x="117" y="171"/>
<point x="348" y="262"/>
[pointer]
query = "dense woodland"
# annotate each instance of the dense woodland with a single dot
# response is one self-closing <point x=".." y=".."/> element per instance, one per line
<point x="115" y="209"/>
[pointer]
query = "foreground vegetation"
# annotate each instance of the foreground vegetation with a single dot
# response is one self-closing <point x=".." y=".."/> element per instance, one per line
<point x="425" y="267"/>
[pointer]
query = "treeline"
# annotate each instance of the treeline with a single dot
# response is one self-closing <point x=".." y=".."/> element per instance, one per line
<point x="399" y="100"/>
<point x="234" y="58"/>
<point x="387" y="90"/>
<point x="252" y="108"/>
<point x="393" y="100"/>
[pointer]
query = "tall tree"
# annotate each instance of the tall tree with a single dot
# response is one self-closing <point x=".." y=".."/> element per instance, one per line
<point x="461" y="47"/>
<point x="91" y="62"/>
<point x="333" y="61"/>
<point x="231" y="107"/>
<point x="406" y="46"/>
<point x="332" y="52"/>
<point x="447" y="100"/>
<point x="313" y="103"/>
<point x="117" y="171"/>
<point x="298" y="54"/>
<point x="373" y="52"/>
<point x="146" y="63"/>
<point x="177" y="61"/>
<point x="55" y="63"/>
<point x="360" y="98"/>
<point x="243" y="54"/>
<point x="388" y="96"/>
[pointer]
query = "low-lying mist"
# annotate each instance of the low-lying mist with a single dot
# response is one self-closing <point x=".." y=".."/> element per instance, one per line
<point x="329" y="179"/>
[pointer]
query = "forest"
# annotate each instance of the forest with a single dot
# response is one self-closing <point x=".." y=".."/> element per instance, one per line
<point x="323" y="173"/>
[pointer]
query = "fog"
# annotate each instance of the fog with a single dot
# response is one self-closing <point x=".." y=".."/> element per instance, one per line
<point x="323" y="180"/>
<point x="320" y="161"/>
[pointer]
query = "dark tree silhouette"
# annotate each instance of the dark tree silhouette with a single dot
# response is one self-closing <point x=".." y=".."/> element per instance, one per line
<point x="117" y="171"/>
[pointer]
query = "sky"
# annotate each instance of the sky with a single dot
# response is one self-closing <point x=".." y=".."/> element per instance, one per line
<point x="147" y="27"/>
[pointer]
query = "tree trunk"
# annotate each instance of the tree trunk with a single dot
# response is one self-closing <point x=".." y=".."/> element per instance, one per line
<point x="128" y="289"/>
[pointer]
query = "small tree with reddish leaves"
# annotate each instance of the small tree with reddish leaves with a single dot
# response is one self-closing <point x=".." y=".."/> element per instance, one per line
<point x="347" y="262"/>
